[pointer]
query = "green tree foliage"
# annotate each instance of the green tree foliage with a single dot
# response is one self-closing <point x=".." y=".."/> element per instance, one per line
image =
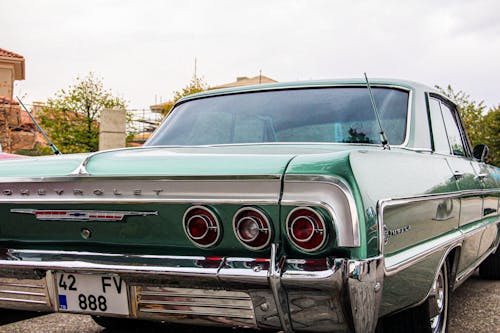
<point x="71" y="118"/>
<point x="483" y="126"/>
<point x="196" y="85"/>
<point x="471" y="112"/>
<point x="491" y="134"/>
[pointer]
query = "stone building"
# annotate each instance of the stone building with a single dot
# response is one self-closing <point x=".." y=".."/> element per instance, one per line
<point x="17" y="131"/>
<point x="11" y="69"/>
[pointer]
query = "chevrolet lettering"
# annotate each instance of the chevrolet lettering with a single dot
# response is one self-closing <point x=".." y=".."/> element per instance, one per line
<point x="328" y="206"/>
<point x="79" y="192"/>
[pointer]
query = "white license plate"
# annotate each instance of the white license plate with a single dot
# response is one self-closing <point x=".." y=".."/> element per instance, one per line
<point x="88" y="293"/>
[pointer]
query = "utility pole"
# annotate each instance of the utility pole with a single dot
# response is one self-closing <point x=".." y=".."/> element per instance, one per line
<point x="195" y="69"/>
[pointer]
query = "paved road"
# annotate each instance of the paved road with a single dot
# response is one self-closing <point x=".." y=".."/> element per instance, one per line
<point x="475" y="307"/>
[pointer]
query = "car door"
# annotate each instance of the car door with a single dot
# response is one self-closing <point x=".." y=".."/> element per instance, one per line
<point x="454" y="144"/>
<point x="490" y="205"/>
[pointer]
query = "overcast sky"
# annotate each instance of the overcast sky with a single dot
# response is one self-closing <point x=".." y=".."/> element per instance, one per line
<point x="147" y="48"/>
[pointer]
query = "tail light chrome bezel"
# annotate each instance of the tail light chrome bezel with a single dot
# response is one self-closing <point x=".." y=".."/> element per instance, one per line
<point x="263" y="221"/>
<point x="211" y="220"/>
<point x="318" y="226"/>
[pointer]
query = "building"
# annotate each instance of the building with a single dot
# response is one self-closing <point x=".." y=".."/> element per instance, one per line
<point x="240" y="81"/>
<point x="11" y="69"/>
<point x="17" y="131"/>
<point x="246" y="81"/>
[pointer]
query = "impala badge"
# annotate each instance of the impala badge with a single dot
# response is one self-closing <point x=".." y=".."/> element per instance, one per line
<point x="80" y="215"/>
<point x="394" y="232"/>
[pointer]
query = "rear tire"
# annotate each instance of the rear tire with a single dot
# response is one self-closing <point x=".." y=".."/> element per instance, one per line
<point x="414" y="320"/>
<point x="429" y="317"/>
<point x="490" y="267"/>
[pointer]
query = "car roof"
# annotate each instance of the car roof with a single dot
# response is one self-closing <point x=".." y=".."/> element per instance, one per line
<point x="310" y="84"/>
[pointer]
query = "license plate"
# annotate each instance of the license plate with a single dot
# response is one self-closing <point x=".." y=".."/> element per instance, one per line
<point x="86" y="293"/>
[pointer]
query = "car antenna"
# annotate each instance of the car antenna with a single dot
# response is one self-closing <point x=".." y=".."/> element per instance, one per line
<point x="40" y="129"/>
<point x="383" y="137"/>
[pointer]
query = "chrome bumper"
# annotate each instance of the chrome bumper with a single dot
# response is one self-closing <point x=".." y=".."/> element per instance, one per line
<point x="327" y="295"/>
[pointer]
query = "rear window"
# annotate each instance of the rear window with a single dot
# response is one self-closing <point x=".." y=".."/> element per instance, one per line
<point x="340" y="115"/>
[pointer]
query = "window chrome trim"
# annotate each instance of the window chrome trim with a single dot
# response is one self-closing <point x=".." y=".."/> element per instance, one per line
<point x="453" y="106"/>
<point x="409" y="112"/>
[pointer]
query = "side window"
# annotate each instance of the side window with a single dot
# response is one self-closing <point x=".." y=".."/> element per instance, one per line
<point x="438" y="129"/>
<point x="454" y="136"/>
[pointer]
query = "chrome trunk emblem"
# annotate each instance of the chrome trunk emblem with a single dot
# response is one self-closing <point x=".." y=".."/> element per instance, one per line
<point x="394" y="232"/>
<point x="81" y="215"/>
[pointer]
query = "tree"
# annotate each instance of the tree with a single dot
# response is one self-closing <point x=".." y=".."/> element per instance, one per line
<point x="471" y="112"/>
<point x="71" y="118"/>
<point x="481" y="125"/>
<point x="196" y="85"/>
<point x="491" y="135"/>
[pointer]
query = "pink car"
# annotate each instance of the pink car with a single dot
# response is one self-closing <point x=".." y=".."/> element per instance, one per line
<point x="9" y="156"/>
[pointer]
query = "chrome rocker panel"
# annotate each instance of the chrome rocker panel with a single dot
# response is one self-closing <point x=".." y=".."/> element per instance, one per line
<point x="327" y="295"/>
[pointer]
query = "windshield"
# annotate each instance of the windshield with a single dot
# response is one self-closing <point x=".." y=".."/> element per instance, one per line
<point x="341" y="115"/>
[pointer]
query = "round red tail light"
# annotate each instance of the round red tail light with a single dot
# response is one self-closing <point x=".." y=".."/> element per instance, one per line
<point x="306" y="229"/>
<point x="252" y="228"/>
<point x="202" y="226"/>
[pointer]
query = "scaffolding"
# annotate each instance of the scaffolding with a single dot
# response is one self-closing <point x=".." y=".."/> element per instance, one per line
<point x="141" y="124"/>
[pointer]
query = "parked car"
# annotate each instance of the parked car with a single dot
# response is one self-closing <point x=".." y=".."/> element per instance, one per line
<point x="8" y="156"/>
<point x="285" y="207"/>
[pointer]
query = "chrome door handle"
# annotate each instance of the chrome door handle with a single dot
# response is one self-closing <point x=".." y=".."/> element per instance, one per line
<point x="458" y="175"/>
<point x="483" y="175"/>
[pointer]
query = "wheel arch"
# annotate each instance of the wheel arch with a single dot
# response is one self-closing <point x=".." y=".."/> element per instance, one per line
<point x="451" y="257"/>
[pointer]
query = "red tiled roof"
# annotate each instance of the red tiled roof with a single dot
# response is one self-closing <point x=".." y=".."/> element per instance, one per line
<point x="9" y="54"/>
<point x="6" y="100"/>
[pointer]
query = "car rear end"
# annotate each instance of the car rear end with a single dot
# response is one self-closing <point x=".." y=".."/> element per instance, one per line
<point x="253" y="248"/>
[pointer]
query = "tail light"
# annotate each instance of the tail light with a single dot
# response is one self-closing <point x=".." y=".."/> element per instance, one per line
<point x="252" y="228"/>
<point x="202" y="226"/>
<point x="306" y="229"/>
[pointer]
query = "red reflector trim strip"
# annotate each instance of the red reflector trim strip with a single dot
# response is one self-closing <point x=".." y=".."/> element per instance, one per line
<point x="214" y="258"/>
<point x="81" y="215"/>
<point x="261" y="260"/>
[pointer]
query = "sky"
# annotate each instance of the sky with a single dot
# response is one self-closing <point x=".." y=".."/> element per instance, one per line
<point x="146" y="50"/>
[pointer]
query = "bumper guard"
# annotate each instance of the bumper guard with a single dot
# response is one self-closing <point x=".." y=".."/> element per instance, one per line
<point x="320" y="295"/>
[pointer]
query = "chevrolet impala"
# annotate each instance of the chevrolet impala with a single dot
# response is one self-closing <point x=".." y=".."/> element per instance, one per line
<point x="329" y="206"/>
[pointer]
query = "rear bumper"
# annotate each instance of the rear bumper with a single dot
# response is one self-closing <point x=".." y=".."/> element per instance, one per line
<point x="327" y="295"/>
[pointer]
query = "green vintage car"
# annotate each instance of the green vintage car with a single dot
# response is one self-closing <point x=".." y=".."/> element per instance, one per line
<point x="312" y="206"/>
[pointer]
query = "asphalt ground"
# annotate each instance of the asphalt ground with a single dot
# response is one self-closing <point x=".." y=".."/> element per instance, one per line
<point x="474" y="307"/>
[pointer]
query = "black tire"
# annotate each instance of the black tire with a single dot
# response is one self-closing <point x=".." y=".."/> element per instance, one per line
<point x="113" y="324"/>
<point x="490" y="267"/>
<point x="408" y="321"/>
<point x="419" y="319"/>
